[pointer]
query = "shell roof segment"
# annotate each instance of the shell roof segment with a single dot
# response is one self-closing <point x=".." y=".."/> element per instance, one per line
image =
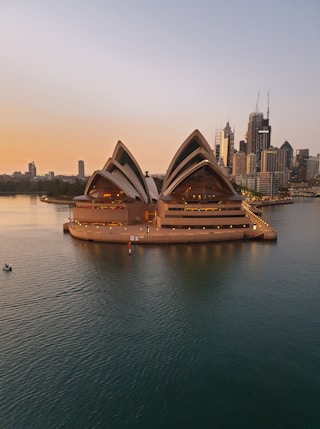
<point x="193" y="171"/>
<point x="195" y="156"/>
<point x="123" y="171"/>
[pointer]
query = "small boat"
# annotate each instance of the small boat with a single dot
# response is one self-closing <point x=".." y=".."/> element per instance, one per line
<point x="7" y="267"/>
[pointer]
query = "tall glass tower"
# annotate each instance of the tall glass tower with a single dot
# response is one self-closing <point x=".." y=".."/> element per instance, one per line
<point x="227" y="146"/>
<point x="259" y="136"/>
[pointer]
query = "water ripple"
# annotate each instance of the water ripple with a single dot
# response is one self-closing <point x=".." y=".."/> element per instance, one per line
<point x="173" y="336"/>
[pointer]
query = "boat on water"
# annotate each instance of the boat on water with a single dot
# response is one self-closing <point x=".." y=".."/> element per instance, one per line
<point x="7" y="267"/>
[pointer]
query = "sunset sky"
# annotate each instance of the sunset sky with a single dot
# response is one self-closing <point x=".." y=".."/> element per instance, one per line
<point x="76" y="76"/>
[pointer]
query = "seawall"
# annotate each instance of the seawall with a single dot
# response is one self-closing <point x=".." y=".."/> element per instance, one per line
<point x="140" y="234"/>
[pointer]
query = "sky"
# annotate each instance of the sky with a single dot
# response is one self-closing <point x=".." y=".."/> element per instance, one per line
<point x="76" y="76"/>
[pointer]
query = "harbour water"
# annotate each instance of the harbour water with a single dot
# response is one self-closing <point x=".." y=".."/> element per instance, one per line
<point x="217" y="335"/>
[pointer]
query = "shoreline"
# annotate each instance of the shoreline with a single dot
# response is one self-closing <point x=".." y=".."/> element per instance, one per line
<point x="146" y="233"/>
<point x="57" y="201"/>
<point x="256" y="204"/>
<point x="149" y="234"/>
<point x="267" y="203"/>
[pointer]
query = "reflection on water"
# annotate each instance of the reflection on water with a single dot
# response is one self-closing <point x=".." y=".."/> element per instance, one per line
<point x="206" y="335"/>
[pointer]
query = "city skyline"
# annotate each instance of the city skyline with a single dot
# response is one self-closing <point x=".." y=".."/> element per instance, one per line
<point x="76" y="78"/>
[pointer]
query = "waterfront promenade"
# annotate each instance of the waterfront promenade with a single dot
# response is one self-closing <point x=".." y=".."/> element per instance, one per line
<point x="148" y="234"/>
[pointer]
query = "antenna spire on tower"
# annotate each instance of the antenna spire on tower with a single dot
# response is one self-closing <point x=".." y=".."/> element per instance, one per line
<point x="257" y="104"/>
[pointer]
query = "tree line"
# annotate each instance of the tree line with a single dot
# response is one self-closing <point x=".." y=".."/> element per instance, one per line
<point x="53" y="188"/>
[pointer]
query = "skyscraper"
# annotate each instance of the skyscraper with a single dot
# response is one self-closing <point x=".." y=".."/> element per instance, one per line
<point x="312" y="167"/>
<point x="273" y="160"/>
<point x="243" y="146"/>
<point x="239" y="164"/>
<point x="289" y="154"/>
<point x="81" y="169"/>
<point x="259" y="136"/>
<point x="268" y="184"/>
<point x="32" y="169"/>
<point x="217" y="145"/>
<point x="269" y="160"/>
<point x="299" y="171"/>
<point x="251" y="164"/>
<point x="227" y="146"/>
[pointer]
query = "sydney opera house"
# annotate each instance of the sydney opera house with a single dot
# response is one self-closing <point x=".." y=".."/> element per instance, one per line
<point x="196" y="202"/>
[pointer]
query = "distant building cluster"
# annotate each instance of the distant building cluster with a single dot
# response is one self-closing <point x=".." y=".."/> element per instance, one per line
<point x="31" y="174"/>
<point x="258" y="165"/>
